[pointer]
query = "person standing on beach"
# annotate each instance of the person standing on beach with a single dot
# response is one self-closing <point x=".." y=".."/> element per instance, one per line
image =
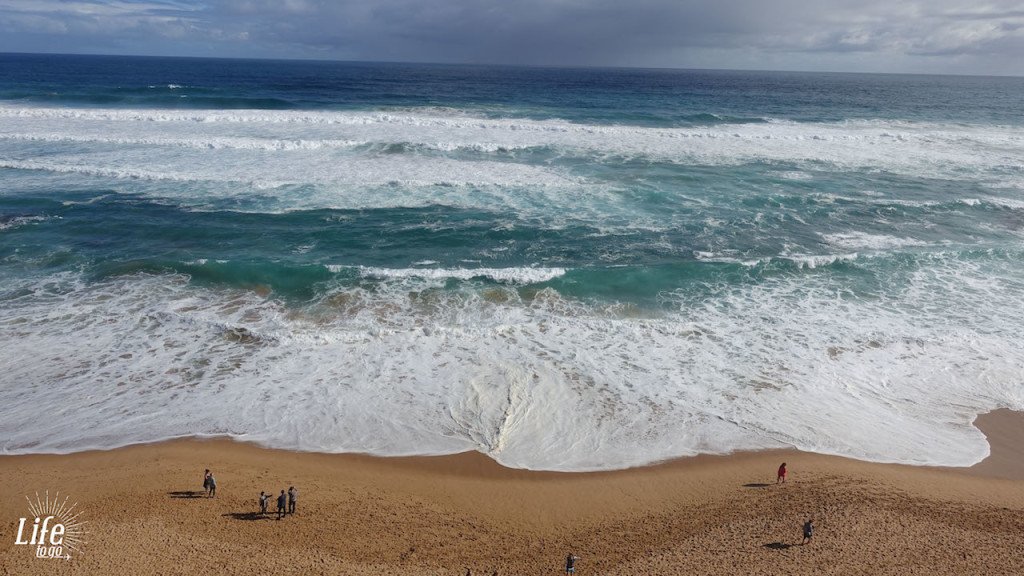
<point x="264" y="497"/>
<point x="808" y="531"/>
<point x="570" y="563"/>
<point x="211" y="485"/>
<point x="281" y="503"/>
<point x="782" y="474"/>
<point x="293" y="495"/>
<point x="206" y="481"/>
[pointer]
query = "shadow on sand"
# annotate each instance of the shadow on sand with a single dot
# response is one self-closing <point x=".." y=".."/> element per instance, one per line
<point x="778" y="545"/>
<point x="249" y="516"/>
<point x="187" y="494"/>
<point x="756" y="485"/>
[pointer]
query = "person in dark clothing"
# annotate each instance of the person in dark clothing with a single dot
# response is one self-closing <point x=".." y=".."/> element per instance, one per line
<point x="570" y="563"/>
<point x="282" y="501"/>
<point x="808" y="531"/>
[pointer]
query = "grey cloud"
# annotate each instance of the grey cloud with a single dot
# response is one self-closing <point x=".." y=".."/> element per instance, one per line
<point x="728" y="33"/>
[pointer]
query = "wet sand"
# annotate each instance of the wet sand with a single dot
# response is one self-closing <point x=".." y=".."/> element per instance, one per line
<point x="444" y="515"/>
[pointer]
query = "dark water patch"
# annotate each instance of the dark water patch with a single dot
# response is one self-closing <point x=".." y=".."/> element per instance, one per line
<point x="242" y="335"/>
<point x="707" y="119"/>
<point x="694" y="280"/>
<point x="293" y="282"/>
<point x="609" y="96"/>
<point x="177" y="101"/>
<point x="302" y="255"/>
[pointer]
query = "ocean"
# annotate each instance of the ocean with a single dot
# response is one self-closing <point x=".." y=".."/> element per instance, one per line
<point x="564" y="269"/>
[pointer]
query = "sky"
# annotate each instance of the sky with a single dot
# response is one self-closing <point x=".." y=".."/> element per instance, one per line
<point x="936" y="36"/>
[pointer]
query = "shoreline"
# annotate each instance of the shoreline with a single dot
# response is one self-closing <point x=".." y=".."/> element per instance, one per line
<point x="1003" y="429"/>
<point x="362" y="514"/>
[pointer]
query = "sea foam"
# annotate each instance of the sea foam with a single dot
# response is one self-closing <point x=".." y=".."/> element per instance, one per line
<point x="880" y="342"/>
<point x="928" y="149"/>
<point x="543" y="382"/>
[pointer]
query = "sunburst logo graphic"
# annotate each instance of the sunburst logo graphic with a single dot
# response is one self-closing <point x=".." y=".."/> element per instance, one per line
<point x="55" y="529"/>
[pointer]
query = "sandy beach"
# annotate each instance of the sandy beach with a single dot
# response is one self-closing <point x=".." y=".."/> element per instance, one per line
<point x="446" y="515"/>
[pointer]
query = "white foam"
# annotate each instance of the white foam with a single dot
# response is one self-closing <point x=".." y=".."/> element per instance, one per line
<point x="728" y="257"/>
<point x="1012" y="203"/>
<point x="348" y="148"/>
<point x="856" y="240"/>
<point x="518" y="275"/>
<point x="19" y="221"/>
<point x="546" y="383"/>
<point x="808" y="261"/>
<point x="212" y="143"/>
<point x="356" y="172"/>
<point x="512" y="275"/>
<point x="792" y="175"/>
<point x="816" y="260"/>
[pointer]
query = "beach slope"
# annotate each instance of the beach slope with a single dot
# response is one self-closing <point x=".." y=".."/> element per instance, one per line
<point x="445" y="515"/>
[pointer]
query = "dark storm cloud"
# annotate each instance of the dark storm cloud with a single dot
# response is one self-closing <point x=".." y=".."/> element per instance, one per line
<point x="942" y="35"/>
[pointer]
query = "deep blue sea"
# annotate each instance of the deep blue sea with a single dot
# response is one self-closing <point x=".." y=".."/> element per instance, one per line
<point x="564" y="269"/>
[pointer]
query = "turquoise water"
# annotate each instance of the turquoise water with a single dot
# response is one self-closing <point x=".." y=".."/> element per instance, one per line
<point x="564" y="269"/>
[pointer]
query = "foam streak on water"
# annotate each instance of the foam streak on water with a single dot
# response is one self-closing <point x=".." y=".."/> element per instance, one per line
<point x="201" y="144"/>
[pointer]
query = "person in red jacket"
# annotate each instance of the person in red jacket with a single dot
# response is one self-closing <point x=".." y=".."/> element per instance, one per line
<point x="782" y="474"/>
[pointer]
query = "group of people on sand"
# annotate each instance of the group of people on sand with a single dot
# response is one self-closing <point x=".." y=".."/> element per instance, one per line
<point x="780" y="478"/>
<point x="286" y="505"/>
<point x="283" y="500"/>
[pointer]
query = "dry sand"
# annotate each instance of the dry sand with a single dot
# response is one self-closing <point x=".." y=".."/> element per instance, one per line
<point x="444" y="515"/>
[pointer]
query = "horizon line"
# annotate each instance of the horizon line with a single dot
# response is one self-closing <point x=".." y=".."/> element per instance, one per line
<point x="503" y="65"/>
